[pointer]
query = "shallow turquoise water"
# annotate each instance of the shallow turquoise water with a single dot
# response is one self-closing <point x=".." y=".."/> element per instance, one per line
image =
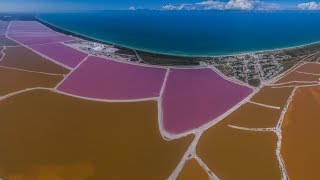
<point x="194" y="32"/>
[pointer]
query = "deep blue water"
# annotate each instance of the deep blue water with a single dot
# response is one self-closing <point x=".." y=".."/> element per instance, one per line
<point x="194" y="32"/>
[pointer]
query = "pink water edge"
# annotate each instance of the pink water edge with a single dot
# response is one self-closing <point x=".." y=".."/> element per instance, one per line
<point x="25" y="28"/>
<point x="106" y="79"/>
<point x="61" y="53"/>
<point x="32" y="32"/>
<point x="3" y="27"/>
<point x="17" y="27"/>
<point x="34" y="40"/>
<point x="194" y="97"/>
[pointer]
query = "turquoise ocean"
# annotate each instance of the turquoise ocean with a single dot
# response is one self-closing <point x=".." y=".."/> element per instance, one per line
<point x="194" y="33"/>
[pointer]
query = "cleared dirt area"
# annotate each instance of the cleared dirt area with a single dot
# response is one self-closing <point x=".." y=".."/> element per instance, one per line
<point x="300" y="132"/>
<point x="23" y="58"/>
<point x="1" y="53"/>
<point x="7" y="42"/>
<point x="45" y="135"/>
<point x="254" y="116"/>
<point x="296" y="76"/>
<point x="310" y="68"/>
<point x="306" y="72"/>
<point x="273" y="96"/>
<point x="237" y="154"/>
<point x="295" y="84"/>
<point x="16" y="80"/>
<point x="193" y="171"/>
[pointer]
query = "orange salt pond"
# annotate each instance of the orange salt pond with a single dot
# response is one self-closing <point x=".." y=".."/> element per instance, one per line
<point x="295" y="84"/>
<point x="300" y="135"/>
<point x="297" y="76"/>
<point x="77" y="171"/>
<point x="273" y="96"/>
<point x="254" y="116"/>
<point x="23" y="58"/>
<point x="12" y="80"/>
<point x="46" y="135"/>
<point x="192" y="170"/>
<point x="310" y="68"/>
<point x="237" y="154"/>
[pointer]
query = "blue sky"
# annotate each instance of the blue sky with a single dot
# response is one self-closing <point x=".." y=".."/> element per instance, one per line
<point x="76" y="5"/>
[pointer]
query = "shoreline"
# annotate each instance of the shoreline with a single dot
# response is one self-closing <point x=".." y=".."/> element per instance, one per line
<point x="84" y="37"/>
<point x="77" y="35"/>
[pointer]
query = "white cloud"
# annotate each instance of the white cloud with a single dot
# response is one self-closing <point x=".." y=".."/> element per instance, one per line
<point x="169" y="7"/>
<point x="261" y="6"/>
<point x="179" y="7"/>
<point x="309" y="6"/>
<point x="220" y="5"/>
<point x="241" y="4"/>
<point x="210" y="4"/>
<point x="132" y="8"/>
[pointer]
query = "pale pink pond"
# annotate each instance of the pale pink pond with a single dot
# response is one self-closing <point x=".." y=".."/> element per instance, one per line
<point x="30" y="40"/>
<point x="20" y="27"/>
<point x="194" y="97"/>
<point x="105" y="79"/>
<point x="61" y="53"/>
<point x="3" y="27"/>
<point x="31" y="33"/>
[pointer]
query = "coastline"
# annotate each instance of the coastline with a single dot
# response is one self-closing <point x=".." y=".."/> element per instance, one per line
<point x="77" y="35"/>
<point x="85" y="37"/>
